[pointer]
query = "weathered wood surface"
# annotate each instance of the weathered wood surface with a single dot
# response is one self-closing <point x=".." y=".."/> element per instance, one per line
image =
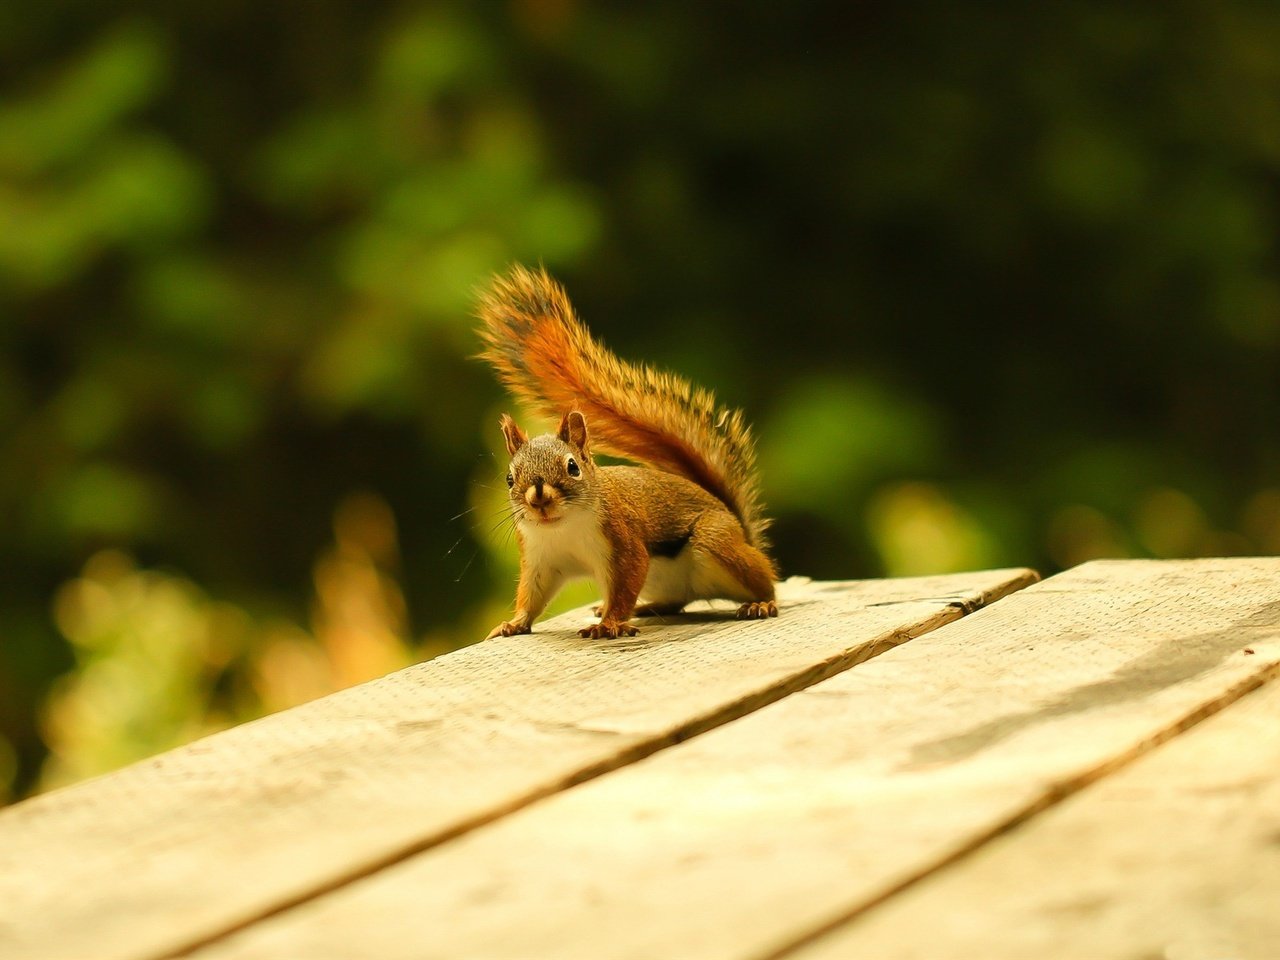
<point x="1176" y="856"/>
<point x="171" y="852"/>
<point x="752" y="839"/>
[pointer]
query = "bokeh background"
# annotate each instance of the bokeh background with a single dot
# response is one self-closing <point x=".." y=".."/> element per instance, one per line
<point x="998" y="284"/>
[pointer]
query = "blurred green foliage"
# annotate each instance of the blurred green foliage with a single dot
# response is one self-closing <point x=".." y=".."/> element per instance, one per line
<point x="997" y="286"/>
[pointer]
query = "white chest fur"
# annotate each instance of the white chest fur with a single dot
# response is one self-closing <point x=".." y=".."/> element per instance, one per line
<point x="571" y="547"/>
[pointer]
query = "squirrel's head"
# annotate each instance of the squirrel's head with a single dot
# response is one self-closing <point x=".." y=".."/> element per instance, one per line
<point x="548" y="474"/>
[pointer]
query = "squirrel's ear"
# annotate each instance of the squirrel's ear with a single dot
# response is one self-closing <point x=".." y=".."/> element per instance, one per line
<point x="516" y="438"/>
<point x="573" y="429"/>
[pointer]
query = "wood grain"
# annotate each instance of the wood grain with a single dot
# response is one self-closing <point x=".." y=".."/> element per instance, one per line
<point x="168" y="853"/>
<point x="1177" y="855"/>
<point x="753" y="838"/>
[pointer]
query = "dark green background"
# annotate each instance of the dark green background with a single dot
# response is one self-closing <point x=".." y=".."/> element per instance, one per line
<point x="997" y="283"/>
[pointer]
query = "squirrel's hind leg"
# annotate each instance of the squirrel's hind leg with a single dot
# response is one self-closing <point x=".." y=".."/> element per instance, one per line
<point x="730" y="567"/>
<point x="758" y="610"/>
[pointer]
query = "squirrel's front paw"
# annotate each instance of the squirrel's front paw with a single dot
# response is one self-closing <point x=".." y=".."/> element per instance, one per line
<point x="508" y="628"/>
<point x="608" y="630"/>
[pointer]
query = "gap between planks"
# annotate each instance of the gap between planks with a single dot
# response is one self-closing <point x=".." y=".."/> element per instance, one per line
<point x="1173" y="856"/>
<point x="178" y="851"/>
<point x="823" y="943"/>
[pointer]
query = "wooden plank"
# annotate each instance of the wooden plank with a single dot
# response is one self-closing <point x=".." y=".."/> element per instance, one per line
<point x="757" y="835"/>
<point x="1176" y="856"/>
<point x="173" y="851"/>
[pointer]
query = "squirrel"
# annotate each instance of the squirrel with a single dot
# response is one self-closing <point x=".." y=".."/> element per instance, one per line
<point x="686" y="525"/>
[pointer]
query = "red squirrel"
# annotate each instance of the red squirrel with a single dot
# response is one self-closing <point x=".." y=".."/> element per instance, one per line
<point x="687" y="525"/>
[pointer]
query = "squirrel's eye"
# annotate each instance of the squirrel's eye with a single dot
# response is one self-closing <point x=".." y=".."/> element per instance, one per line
<point x="572" y="466"/>
<point x="511" y="480"/>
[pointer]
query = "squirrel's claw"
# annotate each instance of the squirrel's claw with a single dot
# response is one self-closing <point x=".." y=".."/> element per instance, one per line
<point x="507" y="628"/>
<point x="758" y="611"/>
<point x="608" y="630"/>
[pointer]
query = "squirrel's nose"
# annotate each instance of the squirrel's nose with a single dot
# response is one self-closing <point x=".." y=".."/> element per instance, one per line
<point x="535" y="495"/>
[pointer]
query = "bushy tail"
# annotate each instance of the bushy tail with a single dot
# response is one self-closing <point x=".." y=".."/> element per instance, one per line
<point x="544" y="354"/>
